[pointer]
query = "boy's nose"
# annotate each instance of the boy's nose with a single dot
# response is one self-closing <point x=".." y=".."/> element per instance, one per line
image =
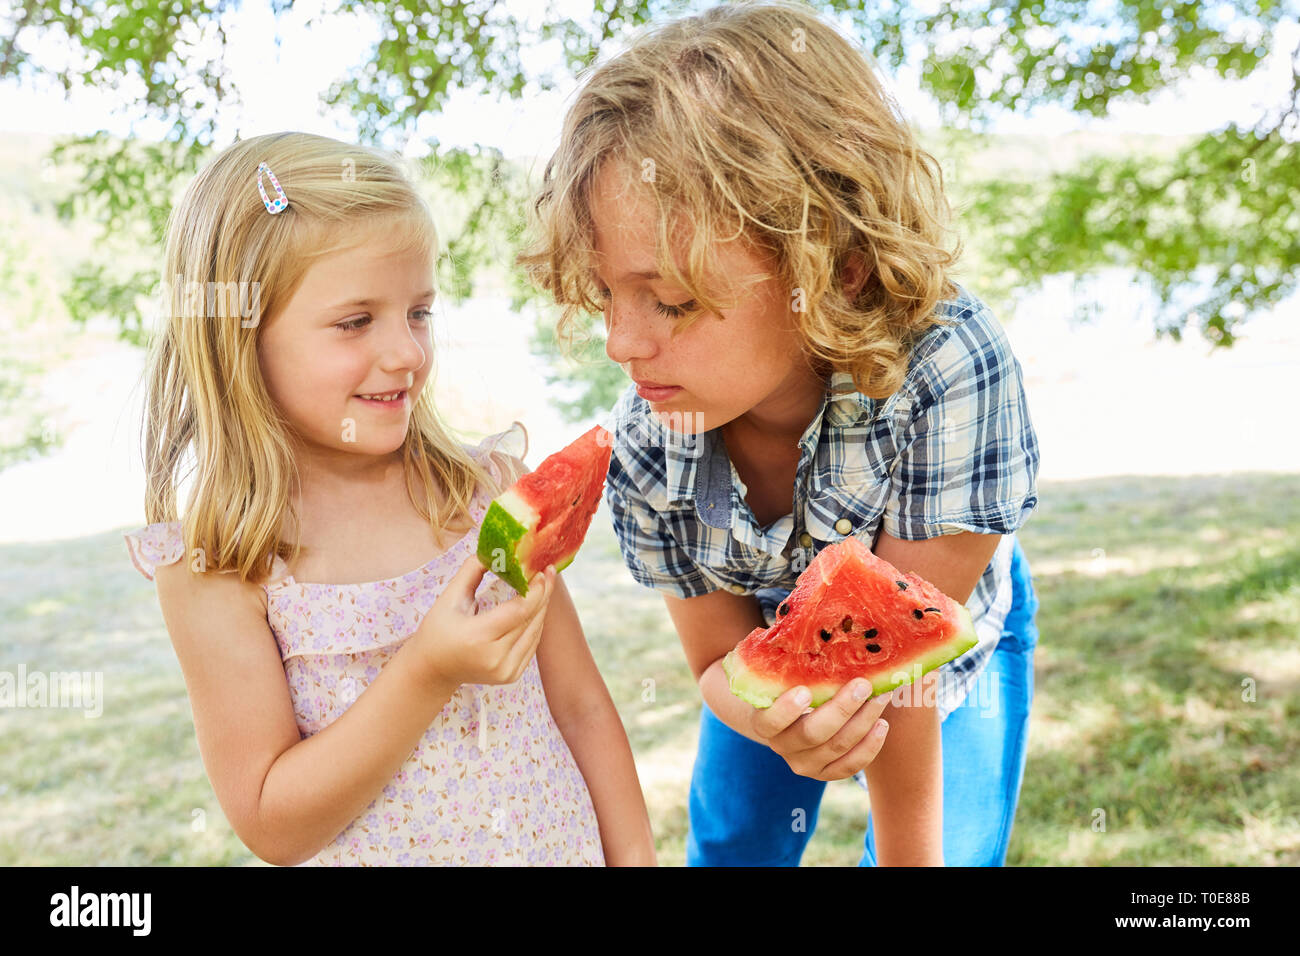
<point x="625" y="340"/>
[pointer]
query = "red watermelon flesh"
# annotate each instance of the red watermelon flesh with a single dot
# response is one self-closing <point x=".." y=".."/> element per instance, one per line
<point x="851" y="614"/>
<point x="544" y="516"/>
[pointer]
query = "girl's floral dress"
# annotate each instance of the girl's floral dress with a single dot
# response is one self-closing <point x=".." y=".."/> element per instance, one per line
<point x="492" y="782"/>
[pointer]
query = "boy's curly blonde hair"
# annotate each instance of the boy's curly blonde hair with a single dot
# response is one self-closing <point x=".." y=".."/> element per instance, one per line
<point x="759" y="122"/>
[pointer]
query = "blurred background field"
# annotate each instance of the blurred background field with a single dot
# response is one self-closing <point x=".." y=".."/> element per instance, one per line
<point x="1156" y="334"/>
<point x="1167" y="702"/>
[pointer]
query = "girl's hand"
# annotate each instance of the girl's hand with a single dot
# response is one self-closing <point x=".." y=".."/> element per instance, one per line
<point x="835" y="741"/>
<point x="458" y="646"/>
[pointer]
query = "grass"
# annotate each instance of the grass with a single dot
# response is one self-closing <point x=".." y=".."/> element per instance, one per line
<point x="1165" y="726"/>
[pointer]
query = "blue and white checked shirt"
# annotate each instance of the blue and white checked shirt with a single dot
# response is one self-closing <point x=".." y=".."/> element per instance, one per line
<point x="952" y="450"/>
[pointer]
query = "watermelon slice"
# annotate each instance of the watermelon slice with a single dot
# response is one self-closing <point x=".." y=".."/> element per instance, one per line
<point x="544" y="516"/>
<point x="851" y="614"/>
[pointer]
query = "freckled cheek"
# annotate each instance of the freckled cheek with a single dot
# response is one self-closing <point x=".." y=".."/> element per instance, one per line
<point x="738" y="372"/>
<point x="686" y="364"/>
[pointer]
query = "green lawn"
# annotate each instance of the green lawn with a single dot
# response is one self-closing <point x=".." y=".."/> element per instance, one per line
<point x="1167" y="704"/>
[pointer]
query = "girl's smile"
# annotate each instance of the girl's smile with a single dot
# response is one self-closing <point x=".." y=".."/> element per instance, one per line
<point x="387" y="401"/>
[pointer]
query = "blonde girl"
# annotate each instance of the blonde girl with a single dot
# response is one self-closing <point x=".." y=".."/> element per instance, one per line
<point x="363" y="693"/>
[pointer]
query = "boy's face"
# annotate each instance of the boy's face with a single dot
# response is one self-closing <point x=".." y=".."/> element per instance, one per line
<point x="358" y="325"/>
<point x="746" y="363"/>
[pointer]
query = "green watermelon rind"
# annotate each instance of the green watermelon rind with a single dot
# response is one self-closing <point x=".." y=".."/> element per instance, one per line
<point x="502" y="530"/>
<point x="512" y="520"/>
<point x="762" y="692"/>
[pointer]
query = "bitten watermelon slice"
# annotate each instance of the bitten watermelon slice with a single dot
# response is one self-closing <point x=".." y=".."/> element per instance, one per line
<point x="544" y="516"/>
<point x="851" y="614"/>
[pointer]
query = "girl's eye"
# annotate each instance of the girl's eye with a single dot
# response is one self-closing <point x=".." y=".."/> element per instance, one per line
<point x="352" y="325"/>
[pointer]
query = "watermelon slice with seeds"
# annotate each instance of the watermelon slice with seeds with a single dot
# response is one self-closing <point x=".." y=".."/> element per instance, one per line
<point x="851" y="614"/>
<point x="544" y="516"/>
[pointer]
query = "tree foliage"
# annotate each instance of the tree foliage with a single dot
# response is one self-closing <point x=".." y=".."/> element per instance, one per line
<point x="1220" y="217"/>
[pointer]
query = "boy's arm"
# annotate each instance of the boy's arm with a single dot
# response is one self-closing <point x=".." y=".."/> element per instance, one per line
<point x="585" y="714"/>
<point x="906" y="778"/>
<point x="832" y="742"/>
<point x="906" y="782"/>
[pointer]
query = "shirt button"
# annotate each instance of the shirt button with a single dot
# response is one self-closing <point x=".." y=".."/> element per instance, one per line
<point x="805" y="540"/>
<point x="736" y="588"/>
<point x="844" y="526"/>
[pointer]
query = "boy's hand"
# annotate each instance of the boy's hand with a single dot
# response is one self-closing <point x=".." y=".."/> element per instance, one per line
<point x="832" y="742"/>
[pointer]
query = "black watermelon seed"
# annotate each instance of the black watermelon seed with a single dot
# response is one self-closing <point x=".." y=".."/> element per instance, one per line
<point x="902" y="585"/>
<point x="919" y="613"/>
<point x="826" y="635"/>
<point x="869" y="634"/>
<point x="784" y="609"/>
<point x="847" y="624"/>
<point x="934" y="609"/>
<point x="874" y="648"/>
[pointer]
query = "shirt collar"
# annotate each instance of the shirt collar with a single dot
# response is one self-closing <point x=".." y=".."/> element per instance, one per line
<point x="682" y="457"/>
<point x="850" y="407"/>
<point x="696" y="466"/>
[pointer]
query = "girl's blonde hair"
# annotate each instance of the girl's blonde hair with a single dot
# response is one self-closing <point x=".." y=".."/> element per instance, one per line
<point x="759" y="121"/>
<point x="206" y="394"/>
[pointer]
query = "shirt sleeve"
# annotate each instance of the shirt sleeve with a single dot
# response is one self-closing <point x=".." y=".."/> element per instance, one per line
<point x="154" y="545"/>
<point x="650" y="552"/>
<point x="502" y="454"/>
<point x="968" y="458"/>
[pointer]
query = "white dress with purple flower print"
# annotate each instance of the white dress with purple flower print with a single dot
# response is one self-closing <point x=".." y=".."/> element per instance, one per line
<point x="492" y="781"/>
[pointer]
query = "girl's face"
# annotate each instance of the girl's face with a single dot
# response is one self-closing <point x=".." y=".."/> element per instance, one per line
<point x="744" y="369"/>
<point x="347" y="356"/>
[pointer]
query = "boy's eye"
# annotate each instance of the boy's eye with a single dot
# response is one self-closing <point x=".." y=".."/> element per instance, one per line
<point x="672" y="311"/>
<point x="676" y="311"/>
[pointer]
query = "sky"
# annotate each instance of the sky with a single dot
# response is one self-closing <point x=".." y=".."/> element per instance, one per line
<point x="280" y="86"/>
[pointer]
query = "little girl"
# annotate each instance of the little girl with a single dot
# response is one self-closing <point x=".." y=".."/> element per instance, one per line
<point x="738" y="196"/>
<point x="362" y="694"/>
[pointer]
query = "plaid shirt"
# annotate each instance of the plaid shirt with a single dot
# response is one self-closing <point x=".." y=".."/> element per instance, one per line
<point x="952" y="450"/>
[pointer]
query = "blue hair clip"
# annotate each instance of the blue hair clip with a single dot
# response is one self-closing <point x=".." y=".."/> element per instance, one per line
<point x="281" y="201"/>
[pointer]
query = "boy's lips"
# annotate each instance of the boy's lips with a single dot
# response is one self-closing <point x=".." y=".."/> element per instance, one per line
<point x="654" y="392"/>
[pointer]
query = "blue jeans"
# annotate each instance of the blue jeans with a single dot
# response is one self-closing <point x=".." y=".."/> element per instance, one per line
<point x="748" y="808"/>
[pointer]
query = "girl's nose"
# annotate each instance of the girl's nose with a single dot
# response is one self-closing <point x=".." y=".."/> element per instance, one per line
<point x="401" y="350"/>
<point x="625" y="336"/>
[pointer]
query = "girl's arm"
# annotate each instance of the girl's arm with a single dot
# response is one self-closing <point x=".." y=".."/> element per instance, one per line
<point x="585" y="714"/>
<point x="581" y="706"/>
